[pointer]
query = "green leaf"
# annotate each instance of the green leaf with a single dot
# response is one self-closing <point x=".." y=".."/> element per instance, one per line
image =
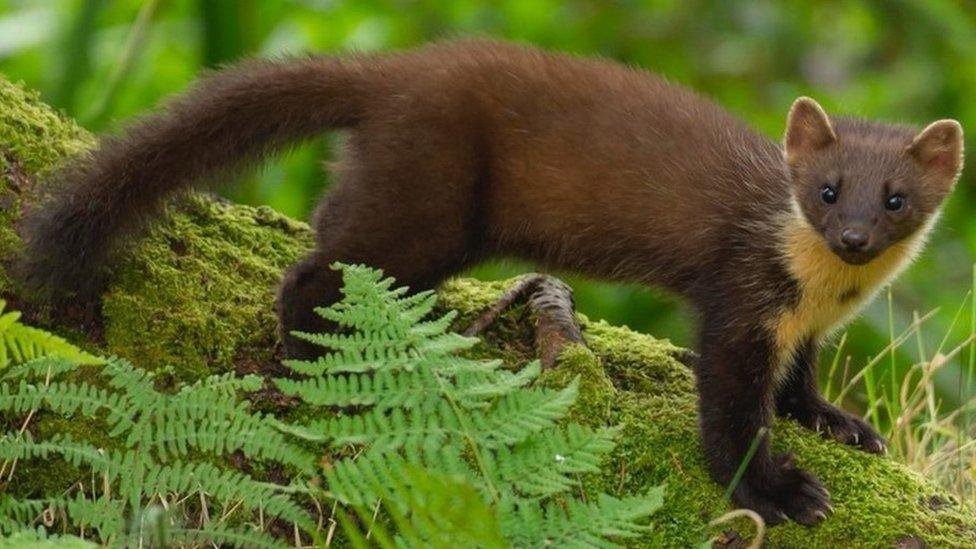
<point x="20" y="343"/>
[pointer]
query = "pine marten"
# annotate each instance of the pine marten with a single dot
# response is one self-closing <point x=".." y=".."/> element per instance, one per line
<point x="462" y="151"/>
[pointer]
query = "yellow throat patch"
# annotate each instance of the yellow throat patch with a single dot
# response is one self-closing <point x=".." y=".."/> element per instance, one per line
<point x="831" y="291"/>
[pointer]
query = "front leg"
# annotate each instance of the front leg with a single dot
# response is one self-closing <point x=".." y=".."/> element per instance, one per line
<point x="798" y="397"/>
<point x="735" y="382"/>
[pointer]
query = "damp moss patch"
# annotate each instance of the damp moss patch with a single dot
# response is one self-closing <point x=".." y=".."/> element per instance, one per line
<point x="32" y="134"/>
<point x="202" y="285"/>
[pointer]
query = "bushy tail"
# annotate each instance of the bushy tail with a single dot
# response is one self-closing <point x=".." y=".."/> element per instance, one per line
<point x="226" y="121"/>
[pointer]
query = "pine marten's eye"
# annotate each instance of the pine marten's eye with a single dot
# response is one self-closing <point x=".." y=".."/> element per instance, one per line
<point x="895" y="202"/>
<point x="828" y="194"/>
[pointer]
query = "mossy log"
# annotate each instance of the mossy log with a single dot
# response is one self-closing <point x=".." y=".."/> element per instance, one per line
<point x="195" y="297"/>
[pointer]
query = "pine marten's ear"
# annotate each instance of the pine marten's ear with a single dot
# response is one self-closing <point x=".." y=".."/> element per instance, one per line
<point x="808" y="130"/>
<point x="938" y="148"/>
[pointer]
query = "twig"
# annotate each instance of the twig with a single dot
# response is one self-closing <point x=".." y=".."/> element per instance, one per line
<point x="752" y="515"/>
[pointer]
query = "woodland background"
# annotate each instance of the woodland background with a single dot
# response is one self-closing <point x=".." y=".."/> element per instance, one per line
<point x="103" y="61"/>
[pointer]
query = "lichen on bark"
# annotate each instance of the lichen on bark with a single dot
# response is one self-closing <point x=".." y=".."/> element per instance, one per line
<point x="195" y="296"/>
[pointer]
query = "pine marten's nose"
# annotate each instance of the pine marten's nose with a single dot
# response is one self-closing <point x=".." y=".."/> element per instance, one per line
<point x="854" y="239"/>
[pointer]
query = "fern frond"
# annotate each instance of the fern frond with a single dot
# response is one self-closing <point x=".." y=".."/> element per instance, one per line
<point x="18" y="515"/>
<point x="68" y="398"/>
<point x="418" y="306"/>
<point x="449" y="365"/>
<point x="136" y="382"/>
<point x="511" y="420"/>
<point x="225" y="486"/>
<point x="44" y="368"/>
<point x="540" y="466"/>
<point x="40" y="539"/>
<point x="372" y="476"/>
<point x="221" y="536"/>
<point x="383" y="391"/>
<point x="476" y="387"/>
<point x="393" y="429"/>
<point x="202" y="420"/>
<point x="386" y="344"/>
<point x="579" y="524"/>
<point x="225" y="386"/>
<point x="335" y="363"/>
<point x="20" y="343"/>
<point x="364" y="352"/>
<point x="178" y="429"/>
<point x="443" y="511"/>
<point x="102" y="514"/>
<point x="518" y="415"/>
<point x="13" y="446"/>
<point x="405" y="399"/>
<point x="442" y="345"/>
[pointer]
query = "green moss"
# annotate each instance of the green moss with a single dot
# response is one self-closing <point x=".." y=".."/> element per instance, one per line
<point x="596" y="396"/>
<point x="198" y="292"/>
<point x="195" y="297"/>
<point x="32" y="134"/>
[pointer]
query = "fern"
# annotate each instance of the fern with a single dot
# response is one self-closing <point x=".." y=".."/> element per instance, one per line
<point x="540" y="466"/>
<point x="407" y="399"/>
<point x="20" y="343"/>
<point x="219" y="536"/>
<point x="41" y="539"/>
<point x="166" y="444"/>
<point x="575" y="523"/>
<point x="444" y="512"/>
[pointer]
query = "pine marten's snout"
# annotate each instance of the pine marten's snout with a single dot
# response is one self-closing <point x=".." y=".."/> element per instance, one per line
<point x="855" y="243"/>
<point x="854" y="239"/>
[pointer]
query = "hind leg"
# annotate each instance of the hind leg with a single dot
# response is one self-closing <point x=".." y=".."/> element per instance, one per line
<point x="306" y="285"/>
<point x="312" y="283"/>
<point x="413" y="215"/>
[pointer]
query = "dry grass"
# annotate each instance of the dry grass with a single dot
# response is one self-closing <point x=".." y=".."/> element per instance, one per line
<point x="924" y="432"/>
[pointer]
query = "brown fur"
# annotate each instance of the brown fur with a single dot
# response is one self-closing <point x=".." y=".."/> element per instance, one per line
<point x="461" y="151"/>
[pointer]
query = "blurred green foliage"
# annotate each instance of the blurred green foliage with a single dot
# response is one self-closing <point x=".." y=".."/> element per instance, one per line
<point x="102" y="61"/>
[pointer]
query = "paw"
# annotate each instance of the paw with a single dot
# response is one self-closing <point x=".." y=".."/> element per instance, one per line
<point x="841" y="426"/>
<point x="782" y="491"/>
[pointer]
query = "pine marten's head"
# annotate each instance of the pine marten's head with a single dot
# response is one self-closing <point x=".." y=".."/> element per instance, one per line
<point x="865" y="186"/>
